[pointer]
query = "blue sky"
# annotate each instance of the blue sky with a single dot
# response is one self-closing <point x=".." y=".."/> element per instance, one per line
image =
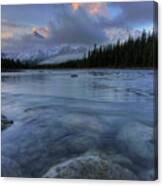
<point x="72" y="24"/>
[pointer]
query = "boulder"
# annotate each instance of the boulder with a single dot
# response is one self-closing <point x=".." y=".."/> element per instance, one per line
<point x="90" y="167"/>
<point x="74" y="75"/>
<point x="5" y="123"/>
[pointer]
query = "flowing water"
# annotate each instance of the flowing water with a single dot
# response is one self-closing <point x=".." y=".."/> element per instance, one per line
<point x="62" y="114"/>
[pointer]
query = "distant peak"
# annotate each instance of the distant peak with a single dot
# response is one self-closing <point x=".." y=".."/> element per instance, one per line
<point x="36" y="34"/>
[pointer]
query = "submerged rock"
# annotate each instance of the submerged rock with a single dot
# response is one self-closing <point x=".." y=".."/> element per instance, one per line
<point x="13" y="171"/>
<point x="90" y="167"/>
<point x="94" y="73"/>
<point x="137" y="142"/>
<point x="5" y="123"/>
<point x="74" y="75"/>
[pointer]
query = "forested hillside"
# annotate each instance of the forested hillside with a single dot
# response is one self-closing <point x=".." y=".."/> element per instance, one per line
<point x="134" y="53"/>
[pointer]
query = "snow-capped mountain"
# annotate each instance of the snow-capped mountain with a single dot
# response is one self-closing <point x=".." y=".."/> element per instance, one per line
<point x="62" y="58"/>
<point x="49" y="56"/>
<point x="64" y="54"/>
<point x="37" y="35"/>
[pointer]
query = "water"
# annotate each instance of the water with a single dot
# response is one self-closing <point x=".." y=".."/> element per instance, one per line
<point x="57" y="117"/>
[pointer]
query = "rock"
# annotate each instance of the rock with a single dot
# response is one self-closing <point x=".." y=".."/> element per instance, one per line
<point x="13" y="171"/>
<point x="90" y="167"/>
<point x="74" y="75"/>
<point x="137" y="142"/>
<point x="97" y="73"/>
<point x="121" y="160"/>
<point x="5" y="123"/>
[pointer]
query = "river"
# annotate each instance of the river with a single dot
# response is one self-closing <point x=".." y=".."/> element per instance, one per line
<point x="62" y="114"/>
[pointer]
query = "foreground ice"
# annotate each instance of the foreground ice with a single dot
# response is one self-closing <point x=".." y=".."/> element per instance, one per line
<point x="58" y="118"/>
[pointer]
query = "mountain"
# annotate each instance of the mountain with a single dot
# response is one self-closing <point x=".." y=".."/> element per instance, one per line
<point x="37" y="35"/>
<point x="25" y="56"/>
<point x="48" y="56"/>
<point x="66" y="53"/>
<point x="62" y="58"/>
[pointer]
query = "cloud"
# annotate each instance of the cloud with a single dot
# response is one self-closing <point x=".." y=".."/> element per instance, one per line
<point x="133" y="13"/>
<point x="67" y="27"/>
<point x="20" y="37"/>
<point x="100" y="9"/>
<point x="75" y="27"/>
<point x="78" y="24"/>
<point x="114" y="34"/>
<point x="76" y="6"/>
<point x="12" y="33"/>
<point x="15" y="30"/>
<point x="6" y="35"/>
<point x="138" y="11"/>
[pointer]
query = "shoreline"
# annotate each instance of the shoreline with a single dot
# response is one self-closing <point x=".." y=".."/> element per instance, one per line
<point x="100" y="68"/>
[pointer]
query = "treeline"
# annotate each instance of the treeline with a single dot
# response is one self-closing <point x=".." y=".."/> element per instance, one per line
<point x="7" y="64"/>
<point x="134" y="53"/>
<point x="141" y="52"/>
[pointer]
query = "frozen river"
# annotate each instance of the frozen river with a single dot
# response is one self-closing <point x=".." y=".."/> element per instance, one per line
<point x="63" y="114"/>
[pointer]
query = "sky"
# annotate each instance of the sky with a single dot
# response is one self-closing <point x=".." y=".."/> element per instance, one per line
<point x="38" y="27"/>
